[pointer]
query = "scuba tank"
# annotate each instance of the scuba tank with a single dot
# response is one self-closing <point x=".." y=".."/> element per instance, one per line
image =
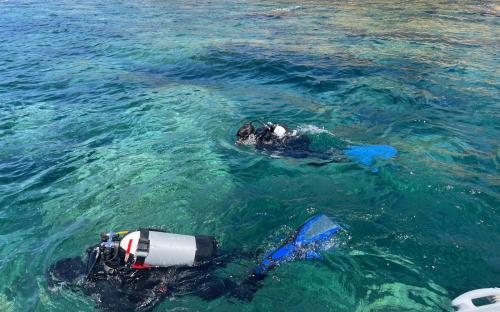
<point x="147" y="248"/>
<point x="160" y="249"/>
<point x="276" y="129"/>
<point x="279" y="131"/>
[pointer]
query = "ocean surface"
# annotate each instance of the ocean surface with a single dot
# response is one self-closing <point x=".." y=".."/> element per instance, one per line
<point x="122" y="114"/>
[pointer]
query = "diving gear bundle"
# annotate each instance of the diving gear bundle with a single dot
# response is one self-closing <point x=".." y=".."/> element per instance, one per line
<point x="153" y="248"/>
<point x="178" y="264"/>
<point x="150" y="248"/>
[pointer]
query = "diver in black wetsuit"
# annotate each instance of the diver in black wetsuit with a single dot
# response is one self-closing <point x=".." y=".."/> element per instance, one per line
<point x="276" y="139"/>
<point x="143" y="274"/>
<point x="133" y="290"/>
<point x="135" y="271"/>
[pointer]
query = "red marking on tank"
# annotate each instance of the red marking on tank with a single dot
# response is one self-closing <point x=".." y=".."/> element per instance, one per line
<point x="140" y="266"/>
<point x="127" y="254"/>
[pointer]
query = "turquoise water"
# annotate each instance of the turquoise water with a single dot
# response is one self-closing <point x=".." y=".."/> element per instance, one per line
<point x="122" y="114"/>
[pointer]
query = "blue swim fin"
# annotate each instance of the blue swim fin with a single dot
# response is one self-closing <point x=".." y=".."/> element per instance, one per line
<point x="367" y="154"/>
<point x="312" y="237"/>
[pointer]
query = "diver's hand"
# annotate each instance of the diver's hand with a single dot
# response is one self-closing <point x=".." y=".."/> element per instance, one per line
<point x="247" y="289"/>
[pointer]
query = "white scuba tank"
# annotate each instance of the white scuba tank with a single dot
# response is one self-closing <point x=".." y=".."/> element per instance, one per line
<point x="160" y="249"/>
<point x="279" y="131"/>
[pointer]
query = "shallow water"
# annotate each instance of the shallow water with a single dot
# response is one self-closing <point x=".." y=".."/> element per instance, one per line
<point x="122" y="114"/>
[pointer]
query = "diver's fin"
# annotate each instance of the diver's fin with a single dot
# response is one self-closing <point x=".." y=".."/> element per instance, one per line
<point x="312" y="255"/>
<point x="367" y="154"/>
<point x="307" y="242"/>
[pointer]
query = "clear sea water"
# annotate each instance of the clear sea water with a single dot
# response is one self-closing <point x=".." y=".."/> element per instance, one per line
<point x="122" y="114"/>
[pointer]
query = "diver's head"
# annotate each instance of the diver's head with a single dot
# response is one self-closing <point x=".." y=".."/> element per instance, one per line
<point x="246" y="134"/>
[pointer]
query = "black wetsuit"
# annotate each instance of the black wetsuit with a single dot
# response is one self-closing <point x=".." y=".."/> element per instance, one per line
<point x="126" y="289"/>
<point x="289" y="145"/>
<point x="293" y="145"/>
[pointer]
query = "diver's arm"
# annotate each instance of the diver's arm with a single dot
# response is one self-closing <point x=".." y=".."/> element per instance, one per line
<point x="246" y="290"/>
<point x="215" y="287"/>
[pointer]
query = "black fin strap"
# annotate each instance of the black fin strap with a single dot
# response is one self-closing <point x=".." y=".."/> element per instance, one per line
<point x="142" y="250"/>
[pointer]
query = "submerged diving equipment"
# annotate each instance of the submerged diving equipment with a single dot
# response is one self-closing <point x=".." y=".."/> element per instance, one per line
<point x="150" y="248"/>
<point x="464" y="303"/>
<point x="312" y="237"/>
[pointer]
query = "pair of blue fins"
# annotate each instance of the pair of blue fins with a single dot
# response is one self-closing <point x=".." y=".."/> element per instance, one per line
<point x="316" y="235"/>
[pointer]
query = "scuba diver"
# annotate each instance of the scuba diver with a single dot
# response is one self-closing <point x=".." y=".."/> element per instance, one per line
<point x="135" y="271"/>
<point x="279" y="140"/>
<point x="274" y="138"/>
